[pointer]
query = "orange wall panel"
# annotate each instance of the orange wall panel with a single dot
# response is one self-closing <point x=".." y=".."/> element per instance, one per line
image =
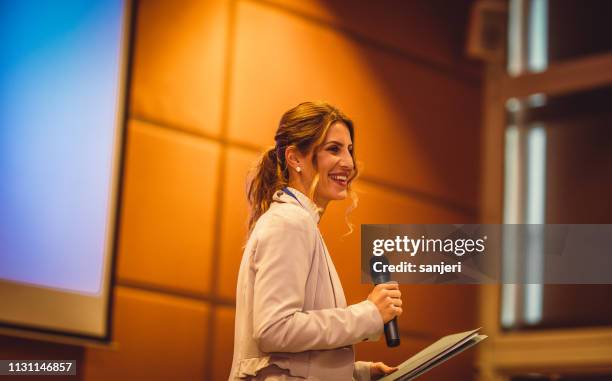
<point x="179" y="63"/>
<point x="223" y="342"/>
<point x="167" y="221"/>
<point x="431" y="30"/>
<point x="414" y="127"/>
<point x="158" y="337"/>
<point x="234" y="219"/>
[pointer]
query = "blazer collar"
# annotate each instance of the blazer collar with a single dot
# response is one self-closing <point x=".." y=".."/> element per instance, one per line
<point x="302" y="201"/>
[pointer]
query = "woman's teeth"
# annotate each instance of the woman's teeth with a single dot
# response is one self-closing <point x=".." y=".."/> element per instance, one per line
<point x="341" y="179"/>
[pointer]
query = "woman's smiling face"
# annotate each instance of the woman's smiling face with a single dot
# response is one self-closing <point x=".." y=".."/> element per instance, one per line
<point x="335" y="165"/>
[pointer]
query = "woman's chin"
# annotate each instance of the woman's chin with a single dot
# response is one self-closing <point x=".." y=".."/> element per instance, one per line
<point x="340" y="195"/>
<point x="335" y="194"/>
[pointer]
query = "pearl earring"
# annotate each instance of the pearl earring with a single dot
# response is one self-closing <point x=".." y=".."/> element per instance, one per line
<point x="298" y="169"/>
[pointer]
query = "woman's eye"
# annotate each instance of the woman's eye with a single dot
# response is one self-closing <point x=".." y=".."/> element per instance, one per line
<point x="333" y="148"/>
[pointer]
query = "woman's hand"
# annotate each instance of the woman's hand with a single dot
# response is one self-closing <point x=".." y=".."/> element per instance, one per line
<point x="386" y="297"/>
<point x="379" y="369"/>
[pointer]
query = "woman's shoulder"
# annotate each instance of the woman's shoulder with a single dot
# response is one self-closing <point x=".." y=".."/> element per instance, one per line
<point x="283" y="228"/>
<point x="288" y="216"/>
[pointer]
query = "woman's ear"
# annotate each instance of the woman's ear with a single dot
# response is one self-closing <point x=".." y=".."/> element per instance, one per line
<point x="293" y="158"/>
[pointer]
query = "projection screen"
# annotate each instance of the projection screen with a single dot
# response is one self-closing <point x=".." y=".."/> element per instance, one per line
<point x="62" y="121"/>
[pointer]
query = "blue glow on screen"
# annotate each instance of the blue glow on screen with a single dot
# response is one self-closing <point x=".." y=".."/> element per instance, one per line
<point x="59" y="92"/>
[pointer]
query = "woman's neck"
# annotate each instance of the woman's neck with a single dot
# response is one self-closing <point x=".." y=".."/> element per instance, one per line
<point x="321" y="204"/>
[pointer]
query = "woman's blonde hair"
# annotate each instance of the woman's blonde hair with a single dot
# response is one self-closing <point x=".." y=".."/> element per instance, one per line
<point x="305" y="127"/>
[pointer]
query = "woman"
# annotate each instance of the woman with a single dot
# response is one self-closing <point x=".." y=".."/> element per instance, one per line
<point x="292" y="320"/>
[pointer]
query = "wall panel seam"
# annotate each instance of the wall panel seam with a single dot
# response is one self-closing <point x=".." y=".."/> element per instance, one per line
<point x="182" y="294"/>
<point x="221" y="176"/>
<point x="417" y="194"/>
<point x="226" y="302"/>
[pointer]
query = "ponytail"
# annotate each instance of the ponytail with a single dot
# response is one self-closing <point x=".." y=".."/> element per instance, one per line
<point x="266" y="178"/>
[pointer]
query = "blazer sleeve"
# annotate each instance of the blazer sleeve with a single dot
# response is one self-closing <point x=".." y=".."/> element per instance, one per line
<point x="361" y="371"/>
<point x="282" y="261"/>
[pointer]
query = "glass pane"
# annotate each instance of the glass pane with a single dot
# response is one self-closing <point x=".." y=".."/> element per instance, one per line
<point x="558" y="171"/>
<point x="543" y="32"/>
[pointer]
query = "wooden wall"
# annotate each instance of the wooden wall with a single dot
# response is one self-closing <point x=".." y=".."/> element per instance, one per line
<point x="210" y="80"/>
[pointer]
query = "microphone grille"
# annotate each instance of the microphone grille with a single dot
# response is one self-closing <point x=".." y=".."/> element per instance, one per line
<point x="379" y="277"/>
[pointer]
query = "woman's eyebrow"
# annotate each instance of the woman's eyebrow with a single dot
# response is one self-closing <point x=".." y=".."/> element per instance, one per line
<point x="336" y="142"/>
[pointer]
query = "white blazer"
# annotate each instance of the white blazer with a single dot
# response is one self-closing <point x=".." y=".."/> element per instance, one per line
<point x="291" y="311"/>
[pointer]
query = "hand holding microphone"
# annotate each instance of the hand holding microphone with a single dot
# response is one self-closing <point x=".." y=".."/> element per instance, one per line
<point x="386" y="297"/>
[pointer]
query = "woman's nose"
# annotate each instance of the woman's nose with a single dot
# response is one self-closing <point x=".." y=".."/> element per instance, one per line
<point x="346" y="162"/>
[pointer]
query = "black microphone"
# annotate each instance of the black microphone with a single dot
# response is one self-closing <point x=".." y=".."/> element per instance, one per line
<point x="391" y="330"/>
